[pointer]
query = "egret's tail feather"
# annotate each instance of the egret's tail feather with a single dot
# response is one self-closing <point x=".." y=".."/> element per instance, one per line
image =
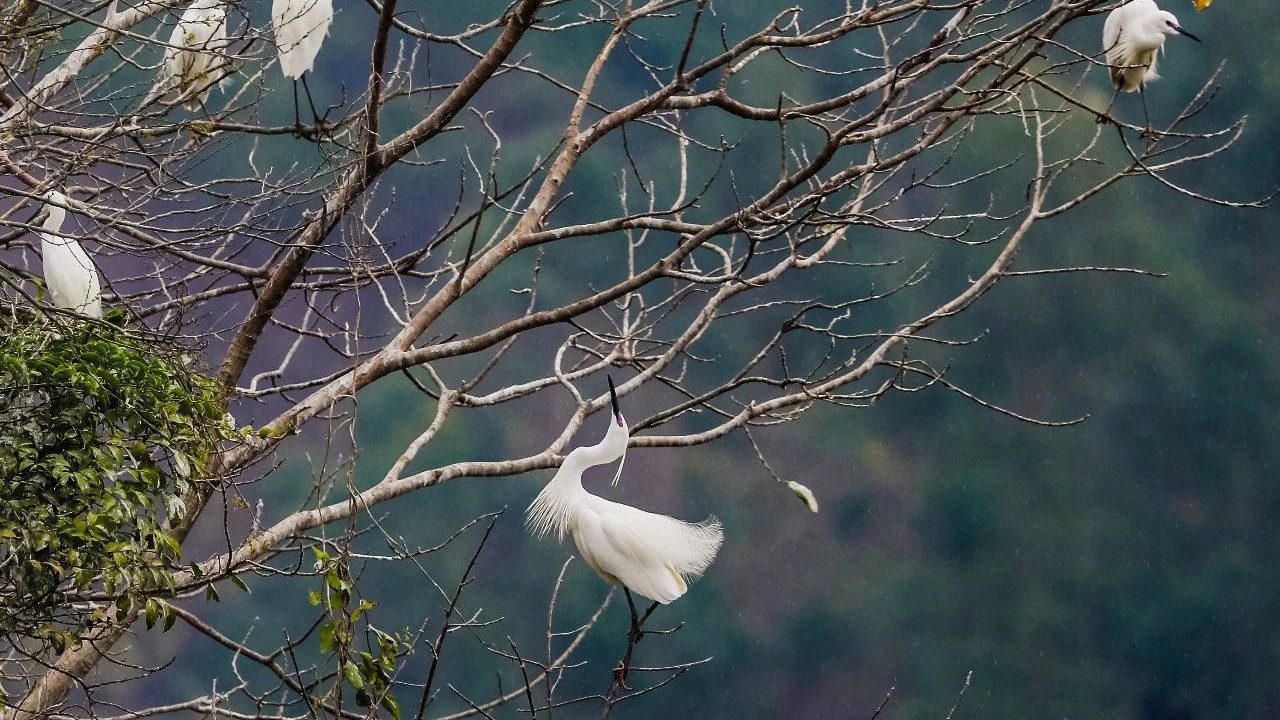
<point x="691" y="547"/>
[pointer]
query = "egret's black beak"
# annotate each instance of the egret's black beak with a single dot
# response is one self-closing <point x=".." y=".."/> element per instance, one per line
<point x="1180" y="31"/>
<point x="613" y="398"/>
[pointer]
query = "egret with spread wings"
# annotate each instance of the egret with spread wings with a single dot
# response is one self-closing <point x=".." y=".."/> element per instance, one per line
<point x="651" y="554"/>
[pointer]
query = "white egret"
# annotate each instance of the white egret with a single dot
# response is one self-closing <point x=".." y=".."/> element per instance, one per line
<point x="196" y="52"/>
<point x="652" y="554"/>
<point x="1133" y="37"/>
<point x="300" y="27"/>
<point x="69" y="274"/>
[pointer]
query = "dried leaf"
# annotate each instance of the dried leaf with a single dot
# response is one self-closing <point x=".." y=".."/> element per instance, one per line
<point x="805" y="495"/>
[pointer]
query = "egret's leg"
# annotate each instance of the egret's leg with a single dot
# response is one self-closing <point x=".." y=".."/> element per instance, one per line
<point x="1105" y="117"/>
<point x="636" y="621"/>
<point x="633" y="635"/>
<point x="297" y="116"/>
<point x="646" y="615"/>
<point x="299" y="129"/>
<point x="314" y="113"/>
<point x="1146" y="116"/>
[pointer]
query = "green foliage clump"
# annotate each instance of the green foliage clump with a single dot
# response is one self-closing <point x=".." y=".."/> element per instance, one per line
<point x="369" y="674"/>
<point x="101" y="432"/>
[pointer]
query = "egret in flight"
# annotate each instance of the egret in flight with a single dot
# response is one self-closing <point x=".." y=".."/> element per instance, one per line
<point x="300" y="27"/>
<point x="653" y="555"/>
<point x="196" y="51"/>
<point x="68" y="272"/>
<point x="1133" y="37"/>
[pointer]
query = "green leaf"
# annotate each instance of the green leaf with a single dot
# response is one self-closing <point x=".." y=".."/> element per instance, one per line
<point x="326" y="637"/>
<point x="272" y="433"/>
<point x="352" y="673"/>
<point x="239" y="582"/>
<point x="361" y="609"/>
<point x="390" y="705"/>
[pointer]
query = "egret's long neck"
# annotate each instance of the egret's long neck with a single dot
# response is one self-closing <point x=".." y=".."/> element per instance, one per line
<point x="603" y="453"/>
<point x="555" y="505"/>
<point x="53" y="224"/>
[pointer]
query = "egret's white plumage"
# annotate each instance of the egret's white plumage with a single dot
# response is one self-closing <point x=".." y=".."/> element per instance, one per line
<point x="300" y="27"/>
<point x="196" y="54"/>
<point x="69" y="274"/>
<point x="653" y="555"/>
<point x="1133" y="37"/>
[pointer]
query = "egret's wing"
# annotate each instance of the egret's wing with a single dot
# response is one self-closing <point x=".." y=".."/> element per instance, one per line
<point x="92" y="303"/>
<point x="1111" y="30"/>
<point x="630" y="554"/>
<point x="213" y="59"/>
<point x="60" y="275"/>
<point x="687" y="548"/>
<point x="281" y="11"/>
<point x="177" y="61"/>
<point x="665" y="550"/>
<point x="71" y="277"/>
<point x="196" y="49"/>
<point x="208" y="33"/>
<point x="1113" y="45"/>
<point x="222" y="43"/>
<point x="591" y="541"/>
<point x="214" y="35"/>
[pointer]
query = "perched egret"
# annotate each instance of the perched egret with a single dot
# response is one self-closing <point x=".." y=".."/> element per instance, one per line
<point x="196" y="52"/>
<point x="652" y="554"/>
<point x="300" y="27"/>
<point x="69" y="274"/>
<point x="1133" y="37"/>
